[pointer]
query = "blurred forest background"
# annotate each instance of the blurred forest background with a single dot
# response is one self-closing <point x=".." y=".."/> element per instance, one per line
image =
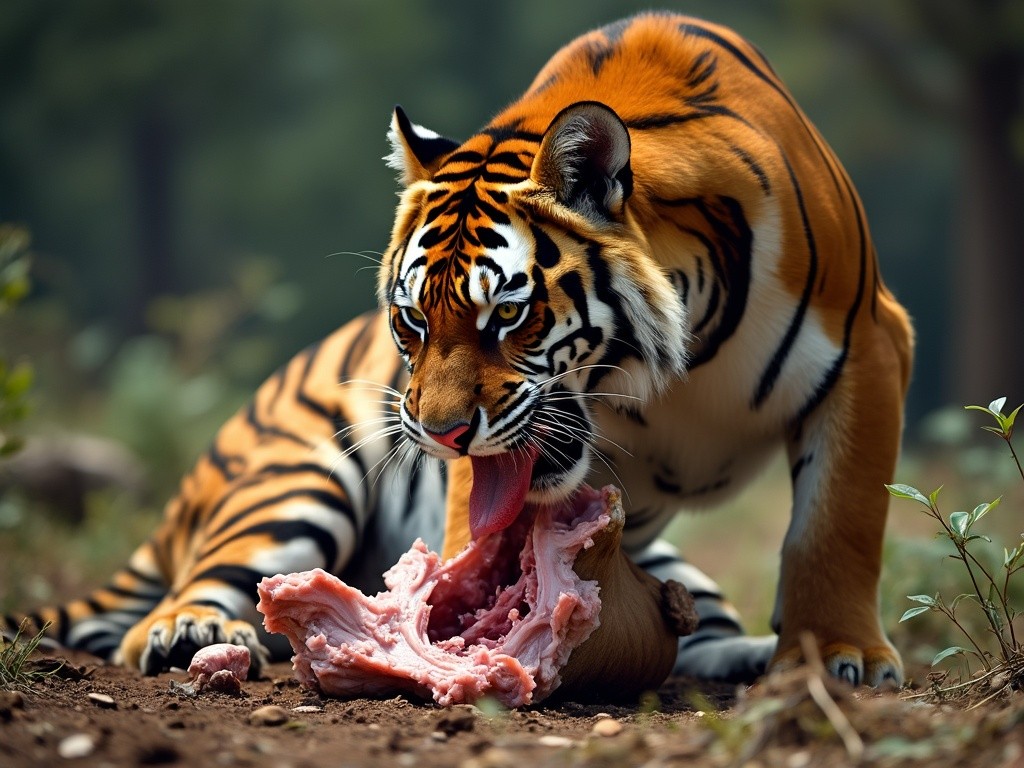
<point x="203" y="185"/>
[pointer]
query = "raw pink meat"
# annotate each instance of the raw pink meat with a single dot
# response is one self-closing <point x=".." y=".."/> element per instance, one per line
<point x="220" y="667"/>
<point x="500" y="619"/>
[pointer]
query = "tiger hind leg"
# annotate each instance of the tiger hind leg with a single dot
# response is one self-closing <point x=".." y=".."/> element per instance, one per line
<point x="718" y="649"/>
<point x="98" y="622"/>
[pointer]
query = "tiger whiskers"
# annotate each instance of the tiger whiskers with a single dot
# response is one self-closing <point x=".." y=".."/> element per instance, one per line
<point x="588" y="426"/>
<point x="556" y="377"/>
<point x="583" y="431"/>
<point x="375" y="256"/>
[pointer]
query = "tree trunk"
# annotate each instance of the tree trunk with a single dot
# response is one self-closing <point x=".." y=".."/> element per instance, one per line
<point x="153" y="150"/>
<point x="987" y="360"/>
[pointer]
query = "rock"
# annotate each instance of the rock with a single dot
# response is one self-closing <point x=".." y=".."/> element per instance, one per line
<point x="270" y="715"/>
<point x="102" y="701"/>
<point x="607" y="727"/>
<point x="76" y="746"/>
<point x="555" y="741"/>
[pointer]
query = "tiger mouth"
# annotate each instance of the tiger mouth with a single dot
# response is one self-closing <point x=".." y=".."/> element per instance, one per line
<point x="546" y="469"/>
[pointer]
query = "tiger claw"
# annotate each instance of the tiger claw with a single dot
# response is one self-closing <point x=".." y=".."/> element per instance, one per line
<point x="171" y="640"/>
<point x="875" y="666"/>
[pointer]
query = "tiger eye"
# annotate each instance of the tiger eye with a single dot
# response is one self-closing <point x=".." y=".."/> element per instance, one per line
<point x="507" y="310"/>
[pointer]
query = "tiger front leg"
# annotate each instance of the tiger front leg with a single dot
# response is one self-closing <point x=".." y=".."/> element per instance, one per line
<point x="280" y="525"/>
<point x="170" y="636"/>
<point x="840" y="458"/>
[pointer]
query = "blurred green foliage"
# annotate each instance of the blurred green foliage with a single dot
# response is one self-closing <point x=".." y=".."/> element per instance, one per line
<point x="15" y="378"/>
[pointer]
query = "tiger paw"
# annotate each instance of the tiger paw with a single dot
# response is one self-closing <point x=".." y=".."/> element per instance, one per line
<point x="876" y="665"/>
<point x="171" y="638"/>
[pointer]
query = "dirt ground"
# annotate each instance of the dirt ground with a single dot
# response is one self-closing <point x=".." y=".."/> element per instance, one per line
<point x="98" y="715"/>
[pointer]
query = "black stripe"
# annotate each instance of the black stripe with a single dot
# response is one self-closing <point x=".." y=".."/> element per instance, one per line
<point x="122" y="592"/>
<point x="502" y="133"/>
<point x="517" y="160"/>
<point x="663" y="121"/>
<point x="497" y="177"/>
<point x="707" y="34"/>
<point x="832" y="376"/>
<point x="285" y="531"/>
<point x="137" y="574"/>
<point x="774" y="368"/>
<point x="238" y="576"/>
<point x="328" y="500"/>
<point x="802" y="462"/>
<point x="449" y="176"/>
<point x="755" y="168"/>
<point x="101" y="643"/>
<point x="63" y="625"/>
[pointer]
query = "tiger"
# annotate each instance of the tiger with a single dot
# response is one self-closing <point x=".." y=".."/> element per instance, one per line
<point x="651" y="271"/>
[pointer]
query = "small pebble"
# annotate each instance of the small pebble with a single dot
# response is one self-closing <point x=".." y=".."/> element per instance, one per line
<point x="555" y="741"/>
<point x="607" y="727"/>
<point x="102" y="701"/>
<point x="76" y="746"/>
<point x="307" y="708"/>
<point x="439" y="736"/>
<point x="269" y="715"/>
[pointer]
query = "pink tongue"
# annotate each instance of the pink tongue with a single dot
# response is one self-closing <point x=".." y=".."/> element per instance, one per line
<point x="500" y="483"/>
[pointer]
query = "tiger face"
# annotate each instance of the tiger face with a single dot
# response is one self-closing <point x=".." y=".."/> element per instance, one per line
<point x="519" y="291"/>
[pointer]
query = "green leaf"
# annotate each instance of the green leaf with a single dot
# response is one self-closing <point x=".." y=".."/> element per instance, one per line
<point x="1009" y="420"/>
<point x="958" y="598"/>
<point x="951" y="651"/>
<point x="983" y="509"/>
<point x="933" y="497"/>
<point x="1011" y="556"/>
<point x="901" y="491"/>
<point x="960" y="522"/>
<point x="926" y="599"/>
<point x="912" y="612"/>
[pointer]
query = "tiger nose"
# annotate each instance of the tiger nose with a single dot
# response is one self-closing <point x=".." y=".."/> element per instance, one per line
<point x="449" y="439"/>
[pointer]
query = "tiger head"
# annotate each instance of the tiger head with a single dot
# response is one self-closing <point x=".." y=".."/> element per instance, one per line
<point x="520" y="289"/>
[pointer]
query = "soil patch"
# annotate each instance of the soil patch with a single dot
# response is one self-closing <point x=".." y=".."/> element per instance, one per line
<point x="94" y="714"/>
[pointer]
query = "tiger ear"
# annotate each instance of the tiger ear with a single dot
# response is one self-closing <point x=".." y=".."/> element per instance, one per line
<point x="416" y="152"/>
<point x="584" y="159"/>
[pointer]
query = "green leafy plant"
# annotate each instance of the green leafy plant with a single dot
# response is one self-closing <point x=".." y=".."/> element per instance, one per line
<point x="15" y="379"/>
<point x="15" y="674"/>
<point x="1001" y="652"/>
